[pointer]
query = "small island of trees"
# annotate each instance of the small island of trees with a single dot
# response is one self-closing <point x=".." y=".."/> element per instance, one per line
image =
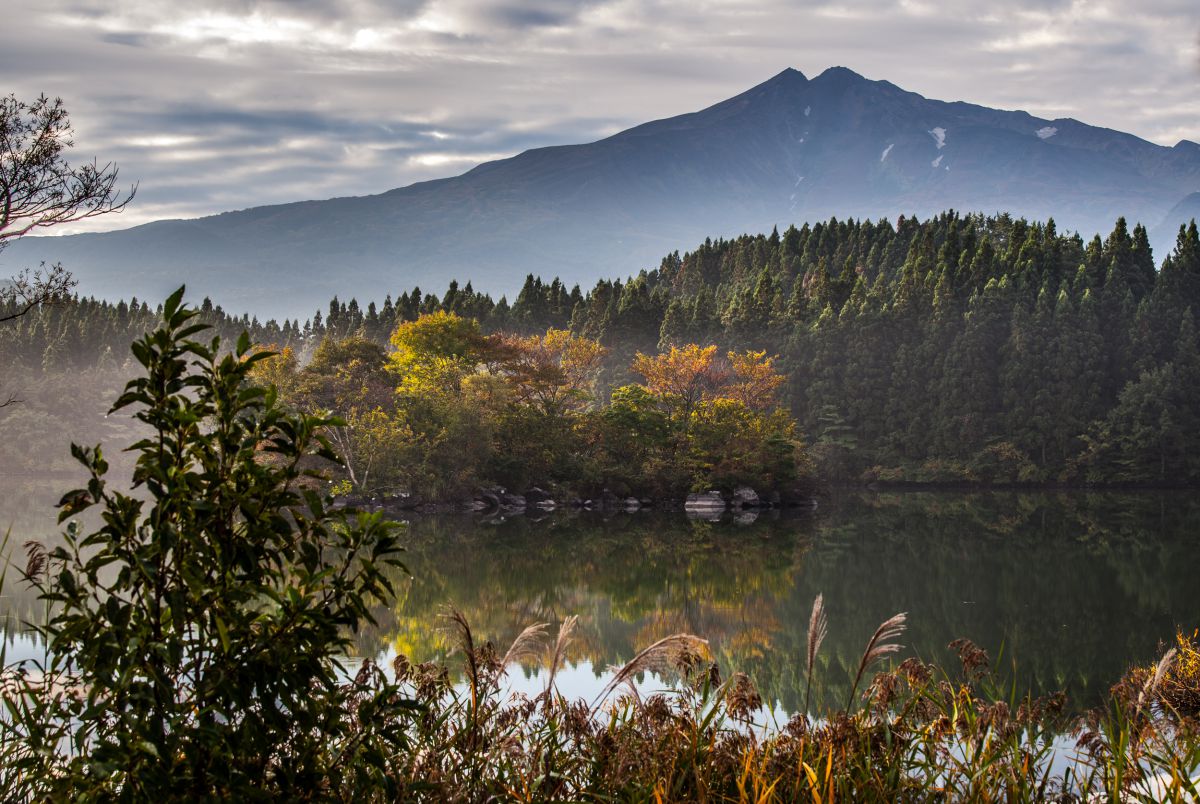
<point x="450" y="410"/>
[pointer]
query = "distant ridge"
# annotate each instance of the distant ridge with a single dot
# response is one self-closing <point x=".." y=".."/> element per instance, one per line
<point x="786" y="151"/>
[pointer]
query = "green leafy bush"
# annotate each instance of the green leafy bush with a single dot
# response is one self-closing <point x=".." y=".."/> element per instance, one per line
<point x="194" y="637"/>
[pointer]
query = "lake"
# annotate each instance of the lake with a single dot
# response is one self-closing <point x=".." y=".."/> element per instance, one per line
<point x="1064" y="590"/>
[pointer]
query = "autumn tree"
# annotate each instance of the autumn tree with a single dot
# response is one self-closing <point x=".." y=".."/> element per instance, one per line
<point x="754" y="379"/>
<point x="681" y="377"/>
<point x="436" y="351"/>
<point x="349" y="378"/>
<point x="727" y="426"/>
<point x="440" y="391"/>
<point x="685" y="376"/>
<point x="553" y="373"/>
<point x="278" y="371"/>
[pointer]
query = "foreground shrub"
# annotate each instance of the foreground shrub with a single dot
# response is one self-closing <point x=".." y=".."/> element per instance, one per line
<point x="1180" y="685"/>
<point x="194" y="637"/>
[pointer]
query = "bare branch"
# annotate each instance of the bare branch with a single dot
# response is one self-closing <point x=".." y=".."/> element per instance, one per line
<point x="28" y="290"/>
<point x="38" y="187"/>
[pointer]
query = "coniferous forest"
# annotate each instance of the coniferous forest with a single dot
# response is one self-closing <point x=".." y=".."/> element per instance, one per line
<point x="956" y="349"/>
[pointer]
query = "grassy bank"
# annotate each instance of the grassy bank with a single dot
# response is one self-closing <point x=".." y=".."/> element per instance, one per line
<point x="913" y="732"/>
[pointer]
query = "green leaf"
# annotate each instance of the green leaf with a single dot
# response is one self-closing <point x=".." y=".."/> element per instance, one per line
<point x="172" y="303"/>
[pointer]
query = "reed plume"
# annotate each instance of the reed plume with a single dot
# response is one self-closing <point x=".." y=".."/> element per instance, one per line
<point x="628" y="682"/>
<point x="878" y="647"/>
<point x="36" y="560"/>
<point x="1152" y="683"/>
<point x="466" y="642"/>
<point x="664" y="652"/>
<point x="527" y="644"/>
<point x="818" y="628"/>
<point x="560" y="650"/>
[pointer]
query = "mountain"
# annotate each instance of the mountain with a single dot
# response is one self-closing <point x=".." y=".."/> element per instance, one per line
<point x="787" y="151"/>
<point x="1181" y="214"/>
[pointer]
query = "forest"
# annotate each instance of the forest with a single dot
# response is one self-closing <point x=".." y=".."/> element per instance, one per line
<point x="959" y="349"/>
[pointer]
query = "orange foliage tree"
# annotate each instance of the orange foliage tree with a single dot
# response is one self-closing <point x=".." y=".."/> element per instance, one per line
<point x="754" y="381"/>
<point x="552" y="373"/>
<point x="728" y="428"/>
<point x="686" y="376"/>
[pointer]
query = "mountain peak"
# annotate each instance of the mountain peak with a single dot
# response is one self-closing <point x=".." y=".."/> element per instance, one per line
<point x="839" y="74"/>
<point x="788" y="74"/>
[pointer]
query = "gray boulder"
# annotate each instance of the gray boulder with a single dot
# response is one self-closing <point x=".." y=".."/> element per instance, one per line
<point x="705" y="502"/>
<point x="746" y="497"/>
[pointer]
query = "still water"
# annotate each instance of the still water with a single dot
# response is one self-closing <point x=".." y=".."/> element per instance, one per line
<point x="1064" y="590"/>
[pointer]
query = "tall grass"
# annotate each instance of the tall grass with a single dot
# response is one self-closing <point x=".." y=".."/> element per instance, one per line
<point x="916" y="733"/>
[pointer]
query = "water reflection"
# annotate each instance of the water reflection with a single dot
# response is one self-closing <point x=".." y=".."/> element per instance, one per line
<point x="1065" y="590"/>
<point x="1070" y="587"/>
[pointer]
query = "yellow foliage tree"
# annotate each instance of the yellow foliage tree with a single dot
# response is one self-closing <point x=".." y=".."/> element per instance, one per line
<point x="755" y="380"/>
<point x="434" y="353"/>
<point x="279" y="371"/>
<point x="681" y="377"/>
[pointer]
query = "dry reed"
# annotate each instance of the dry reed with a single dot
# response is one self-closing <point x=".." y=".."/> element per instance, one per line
<point x="663" y="653"/>
<point x="877" y="648"/>
<point x="818" y="629"/>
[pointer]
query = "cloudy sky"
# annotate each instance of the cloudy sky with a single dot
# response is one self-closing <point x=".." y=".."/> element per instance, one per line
<point x="215" y="105"/>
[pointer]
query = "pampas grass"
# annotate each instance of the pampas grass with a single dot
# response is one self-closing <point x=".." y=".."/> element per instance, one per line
<point x="878" y="647"/>
<point x="818" y="628"/>
<point x="461" y="629"/>
<point x="527" y="645"/>
<point x="36" y="560"/>
<point x="1154" y="680"/>
<point x="938" y="741"/>
<point x="559" y="654"/>
<point x="665" y="652"/>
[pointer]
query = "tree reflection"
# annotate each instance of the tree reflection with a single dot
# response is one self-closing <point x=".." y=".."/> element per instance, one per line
<point x="1063" y="590"/>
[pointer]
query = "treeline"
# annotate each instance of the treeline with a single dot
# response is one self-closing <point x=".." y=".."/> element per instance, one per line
<point x="960" y="348"/>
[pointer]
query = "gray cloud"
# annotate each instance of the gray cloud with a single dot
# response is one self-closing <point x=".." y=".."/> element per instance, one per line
<point x="224" y="104"/>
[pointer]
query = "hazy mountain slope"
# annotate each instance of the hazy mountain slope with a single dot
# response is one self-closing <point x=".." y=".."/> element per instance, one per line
<point x="1181" y="214"/>
<point x="788" y="150"/>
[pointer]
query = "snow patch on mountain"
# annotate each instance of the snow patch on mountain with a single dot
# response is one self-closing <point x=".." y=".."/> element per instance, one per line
<point x="886" y="151"/>
<point x="807" y="109"/>
<point x="1046" y="132"/>
<point x="937" y="161"/>
<point x="939" y="136"/>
